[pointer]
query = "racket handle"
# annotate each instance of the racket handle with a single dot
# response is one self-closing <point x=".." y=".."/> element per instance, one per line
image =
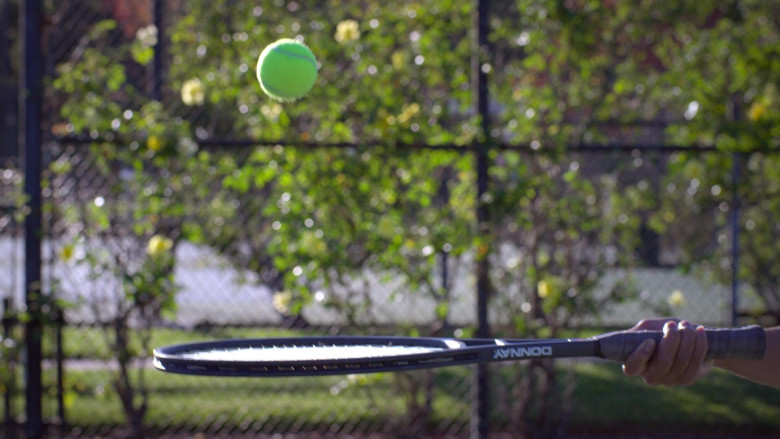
<point x="747" y="342"/>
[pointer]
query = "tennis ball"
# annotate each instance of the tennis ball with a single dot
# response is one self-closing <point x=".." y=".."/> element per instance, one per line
<point x="286" y="70"/>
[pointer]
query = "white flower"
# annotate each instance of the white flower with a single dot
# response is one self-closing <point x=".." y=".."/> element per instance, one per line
<point x="272" y="111"/>
<point x="187" y="147"/>
<point x="147" y="35"/>
<point x="281" y="301"/>
<point x="192" y="92"/>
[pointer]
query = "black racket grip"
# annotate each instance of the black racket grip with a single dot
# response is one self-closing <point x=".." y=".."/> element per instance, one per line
<point x="748" y="342"/>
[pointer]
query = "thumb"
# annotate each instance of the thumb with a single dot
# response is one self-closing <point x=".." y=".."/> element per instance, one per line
<point x="637" y="362"/>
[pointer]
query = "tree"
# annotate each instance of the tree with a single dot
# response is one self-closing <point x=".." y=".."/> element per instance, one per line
<point x="727" y="76"/>
<point x="121" y="220"/>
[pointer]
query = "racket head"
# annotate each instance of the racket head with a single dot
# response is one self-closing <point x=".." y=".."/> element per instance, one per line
<point x="304" y="356"/>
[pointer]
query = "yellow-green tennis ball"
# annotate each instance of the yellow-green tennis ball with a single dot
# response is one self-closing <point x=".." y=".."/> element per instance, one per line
<point x="286" y="70"/>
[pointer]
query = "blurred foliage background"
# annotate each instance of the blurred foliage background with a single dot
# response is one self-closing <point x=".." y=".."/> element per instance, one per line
<point x="631" y="145"/>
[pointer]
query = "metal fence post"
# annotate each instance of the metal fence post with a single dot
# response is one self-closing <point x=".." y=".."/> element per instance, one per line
<point x="158" y="13"/>
<point x="59" y="354"/>
<point x="734" y="114"/>
<point x="480" y="409"/>
<point x="735" y="206"/>
<point x="9" y="381"/>
<point x="31" y="102"/>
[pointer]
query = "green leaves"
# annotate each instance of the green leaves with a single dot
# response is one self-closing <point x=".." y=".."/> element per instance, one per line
<point x="561" y="73"/>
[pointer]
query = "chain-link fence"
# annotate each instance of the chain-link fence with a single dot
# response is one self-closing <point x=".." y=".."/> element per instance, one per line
<point x="163" y="225"/>
<point x="217" y="286"/>
<point x="217" y="298"/>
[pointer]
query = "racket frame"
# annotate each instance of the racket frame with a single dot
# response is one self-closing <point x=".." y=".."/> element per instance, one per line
<point x="452" y="352"/>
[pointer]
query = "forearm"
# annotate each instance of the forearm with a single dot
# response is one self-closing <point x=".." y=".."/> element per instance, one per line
<point x="766" y="371"/>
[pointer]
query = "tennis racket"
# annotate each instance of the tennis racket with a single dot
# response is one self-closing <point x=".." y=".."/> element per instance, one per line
<point x="305" y="356"/>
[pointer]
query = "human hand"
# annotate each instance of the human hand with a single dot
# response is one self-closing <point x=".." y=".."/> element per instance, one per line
<point x="677" y="360"/>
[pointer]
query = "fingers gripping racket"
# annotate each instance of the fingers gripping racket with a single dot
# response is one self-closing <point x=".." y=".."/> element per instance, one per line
<point x="304" y="356"/>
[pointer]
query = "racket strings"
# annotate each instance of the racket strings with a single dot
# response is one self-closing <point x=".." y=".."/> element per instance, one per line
<point x="361" y="364"/>
<point x="287" y="353"/>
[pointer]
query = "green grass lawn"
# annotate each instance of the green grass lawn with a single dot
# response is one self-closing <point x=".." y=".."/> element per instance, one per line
<point x="604" y="400"/>
<point x="198" y="403"/>
<point x="606" y="396"/>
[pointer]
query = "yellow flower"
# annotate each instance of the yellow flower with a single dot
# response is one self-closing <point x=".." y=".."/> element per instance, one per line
<point x="154" y="143"/>
<point x="66" y="253"/>
<point x="398" y="59"/>
<point x="158" y="245"/>
<point x="676" y="299"/>
<point x="756" y="111"/>
<point x="313" y="244"/>
<point x="282" y="301"/>
<point x="193" y="92"/>
<point x="409" y="112"/>
<point x="542" y="289"/>
<point x="386" y="227"/>
<point x="347" y="30"/>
